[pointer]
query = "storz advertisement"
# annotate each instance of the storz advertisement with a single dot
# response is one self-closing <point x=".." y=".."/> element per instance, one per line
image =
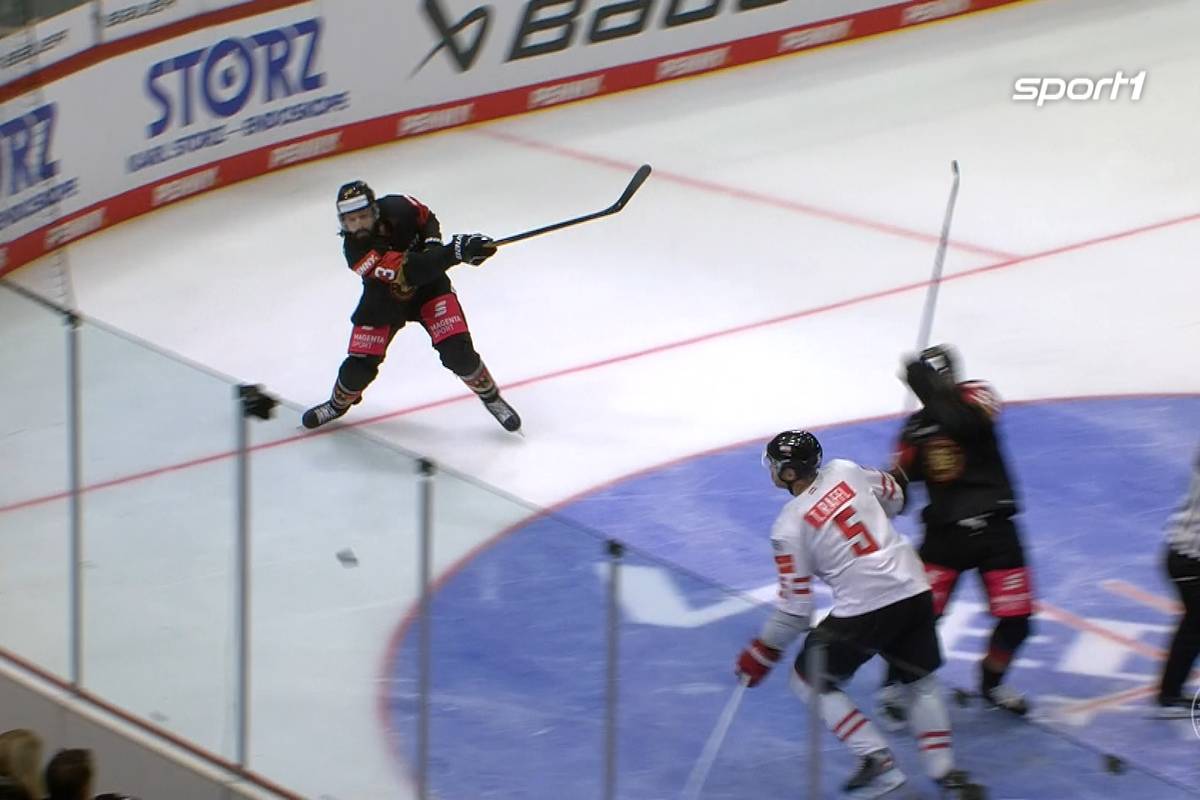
<point x="196" y="109"/>
<point x="236" y="88"/>
<point x="31" y="178"/>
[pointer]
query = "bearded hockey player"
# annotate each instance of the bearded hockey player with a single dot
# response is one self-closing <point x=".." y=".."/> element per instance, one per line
<point x="394" y="244"/>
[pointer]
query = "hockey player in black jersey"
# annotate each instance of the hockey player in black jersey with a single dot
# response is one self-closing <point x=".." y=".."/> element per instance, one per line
<point x="394" y="244"/>
<point x="951" y="444"/>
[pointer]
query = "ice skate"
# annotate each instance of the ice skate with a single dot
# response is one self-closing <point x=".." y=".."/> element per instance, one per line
<point x="1005" y="698"/>
<point x="877" y="775"/>
<point x="1172" y="708"/>
<point x="505" y="414"/>
<point x="326" y="412"/>
<point x="956" y="785"/>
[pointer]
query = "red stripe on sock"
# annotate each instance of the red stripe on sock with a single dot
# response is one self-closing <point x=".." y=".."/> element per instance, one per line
<point x="851" y="732"/>
<point x="845" y="719"/>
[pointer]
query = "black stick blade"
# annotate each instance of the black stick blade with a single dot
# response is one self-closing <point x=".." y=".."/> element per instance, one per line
<point x="635" y="183"/>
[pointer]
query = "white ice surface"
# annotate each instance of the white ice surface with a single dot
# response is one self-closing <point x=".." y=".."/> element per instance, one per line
<point x="780" y="189"/>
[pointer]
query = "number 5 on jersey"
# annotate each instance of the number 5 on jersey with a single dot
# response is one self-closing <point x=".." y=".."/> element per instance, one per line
<point x="856" y="533"/>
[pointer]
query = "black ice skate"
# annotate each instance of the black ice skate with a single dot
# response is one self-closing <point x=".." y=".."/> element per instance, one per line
<point x="505" y="414"/>
<point x="956" y="785"/>
<point x="1172" y="708"/>
<point x="317" y="416"/>
<point x="877" y="775"/>
<point x="1006" y="699"/>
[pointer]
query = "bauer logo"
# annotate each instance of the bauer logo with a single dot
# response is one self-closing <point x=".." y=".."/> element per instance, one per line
<point x="1043" y="90"/>
<point x="553" y="26"/>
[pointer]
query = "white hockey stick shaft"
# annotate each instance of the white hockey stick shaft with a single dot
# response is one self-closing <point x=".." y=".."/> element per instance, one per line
<point x="935" y="281"/>
<point x="695" y="782"/>
<point x="939" y="261"/>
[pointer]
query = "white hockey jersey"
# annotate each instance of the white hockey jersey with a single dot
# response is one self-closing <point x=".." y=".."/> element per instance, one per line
<point x="840" y="530"/>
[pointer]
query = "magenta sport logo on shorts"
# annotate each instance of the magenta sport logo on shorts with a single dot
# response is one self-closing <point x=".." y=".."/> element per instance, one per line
<point x="1042" y="90"/>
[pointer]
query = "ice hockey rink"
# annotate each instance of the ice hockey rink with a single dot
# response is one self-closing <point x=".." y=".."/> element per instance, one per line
<point x="769" y="275"/>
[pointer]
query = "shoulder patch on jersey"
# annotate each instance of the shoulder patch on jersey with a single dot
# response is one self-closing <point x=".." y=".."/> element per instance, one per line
<point x="421" y="209"/>
<point x="980" y="394"/>
<point x="827" y="506"/>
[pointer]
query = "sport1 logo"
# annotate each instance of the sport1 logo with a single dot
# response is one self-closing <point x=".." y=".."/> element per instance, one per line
<point x="280" y="61"/>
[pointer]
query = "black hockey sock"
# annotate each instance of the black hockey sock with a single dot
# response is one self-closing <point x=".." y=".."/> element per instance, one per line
<point x="988" y="678"/>
<point x="343" y="398"/>
<point x="1008" y="636"/>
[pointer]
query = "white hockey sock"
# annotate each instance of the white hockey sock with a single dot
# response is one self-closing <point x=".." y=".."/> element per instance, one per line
<point x="930" y="723"/>
<point x="849" y="724"/>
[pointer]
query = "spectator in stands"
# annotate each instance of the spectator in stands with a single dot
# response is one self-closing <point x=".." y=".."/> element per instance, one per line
<point x="69" y="775"/>
<point x="21" y="761"/>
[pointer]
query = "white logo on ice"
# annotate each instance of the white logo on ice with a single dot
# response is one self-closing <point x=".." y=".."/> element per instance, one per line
<point x="1040" y="91"/>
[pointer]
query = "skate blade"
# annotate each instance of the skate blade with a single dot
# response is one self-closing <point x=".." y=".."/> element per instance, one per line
<point x="1169" y="713"/>
<point x="886" y="783"/>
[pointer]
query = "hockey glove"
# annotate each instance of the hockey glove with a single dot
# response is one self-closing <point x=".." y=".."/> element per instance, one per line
<point x="921" y="379"/>
<point x="472" y="248"/>
<point x="755" y="662"/>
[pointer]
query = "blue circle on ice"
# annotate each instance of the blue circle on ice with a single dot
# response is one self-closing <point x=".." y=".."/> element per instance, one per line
<point x="519" y="658"/>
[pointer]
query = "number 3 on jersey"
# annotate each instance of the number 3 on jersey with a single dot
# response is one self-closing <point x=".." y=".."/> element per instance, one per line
<point x="861" y="541"/>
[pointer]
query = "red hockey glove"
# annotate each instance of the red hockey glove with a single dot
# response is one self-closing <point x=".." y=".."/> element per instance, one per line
<point x="756" y="661"/>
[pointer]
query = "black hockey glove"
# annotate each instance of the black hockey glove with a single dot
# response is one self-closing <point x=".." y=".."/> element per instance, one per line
<point x="472" y="248"/>
<point x="921" y="379"/>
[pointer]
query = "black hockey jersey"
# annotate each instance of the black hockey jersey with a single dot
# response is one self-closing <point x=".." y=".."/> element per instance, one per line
<point x="405" y="224"/>
<point x="951" y="445"/>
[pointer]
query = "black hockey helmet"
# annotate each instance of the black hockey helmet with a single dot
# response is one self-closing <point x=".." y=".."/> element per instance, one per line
<point x="355" y="196"/>
<point x="943" y="361"/>
<point x="796" y="450"/>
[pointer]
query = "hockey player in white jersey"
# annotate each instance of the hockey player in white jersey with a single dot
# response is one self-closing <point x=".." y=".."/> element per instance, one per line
<point x="837" y="527"/>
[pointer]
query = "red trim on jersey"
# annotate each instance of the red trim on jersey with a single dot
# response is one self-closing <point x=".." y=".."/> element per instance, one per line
<point x="785" y="564"/>
<point x="423" y="211"/>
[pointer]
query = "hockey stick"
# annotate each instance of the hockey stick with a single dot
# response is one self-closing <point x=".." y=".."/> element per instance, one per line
<point x="939" y="261"/>
<point x="635" y="183"/>
<point x="935" y="281"/>
<point x="695" y="782"/>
